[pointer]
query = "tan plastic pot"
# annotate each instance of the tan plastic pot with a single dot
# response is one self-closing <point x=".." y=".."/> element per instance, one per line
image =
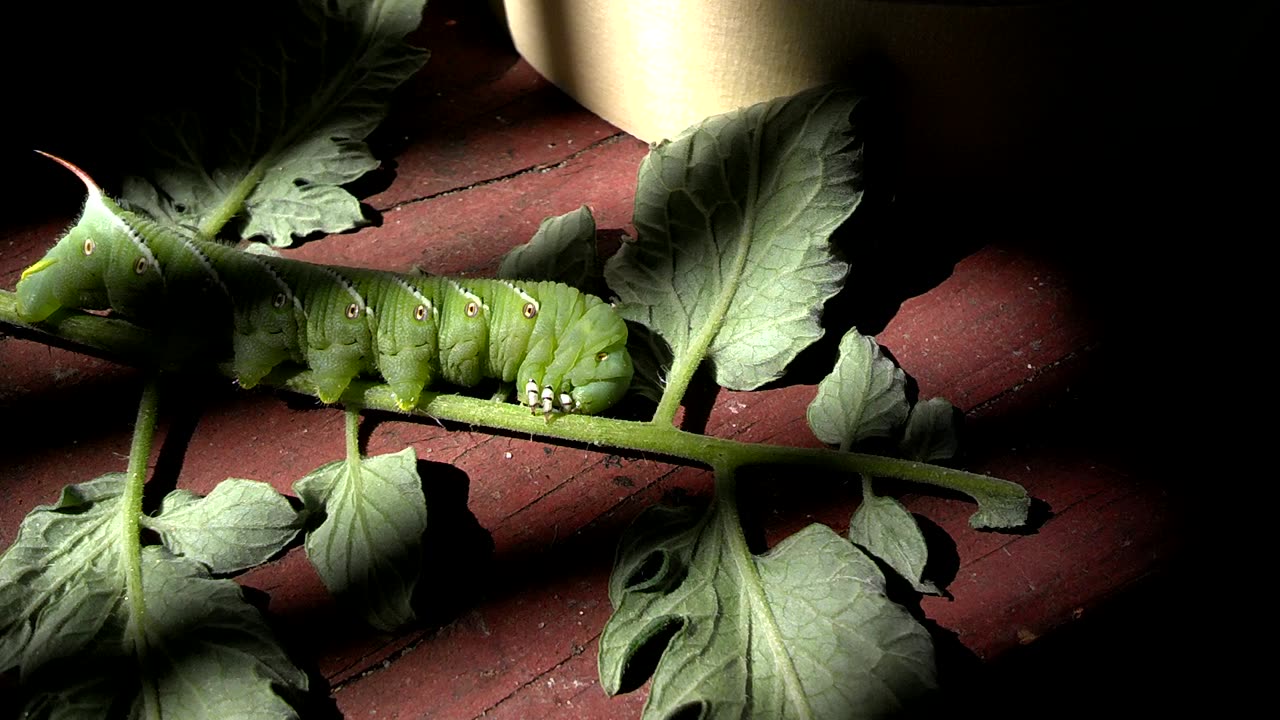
<point x="977" y="89"/>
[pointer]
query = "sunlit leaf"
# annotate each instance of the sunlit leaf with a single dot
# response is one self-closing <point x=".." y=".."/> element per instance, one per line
<point x="368" y="549"/>
<point x="803" y="631"/>
<point x="242" y="523"/>
<point x="732" y="260"/>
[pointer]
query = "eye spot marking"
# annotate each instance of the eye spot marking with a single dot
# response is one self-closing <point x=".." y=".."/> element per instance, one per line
<point x="89" y="246"/>
<point x="473" y="309"/>
<point x="420" y="313"/>
<point x="140" y="266"/>
<point x="353" y="311"/>
<point x="530" y="311"/>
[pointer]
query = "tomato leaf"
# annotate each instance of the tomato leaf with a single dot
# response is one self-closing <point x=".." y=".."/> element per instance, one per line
<point x="368" y="549"/>
<point x="242" y="523"/>
<point x="283" y="128"/>
<point x="885" y="529"/>
<point x="863" y="397"/>
<point x="563" y="249"/>
<point x="732" y="260"/>
<point x="930" y="432"/>
<point x="803" y="631"/>
<point x="199" y="651"/>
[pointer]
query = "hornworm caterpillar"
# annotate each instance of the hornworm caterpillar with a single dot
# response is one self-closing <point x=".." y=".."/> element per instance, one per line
<point x="569" y="348"/>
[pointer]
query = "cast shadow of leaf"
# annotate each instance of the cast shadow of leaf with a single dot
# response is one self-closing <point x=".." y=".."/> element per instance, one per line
<point x="457" y="551"/>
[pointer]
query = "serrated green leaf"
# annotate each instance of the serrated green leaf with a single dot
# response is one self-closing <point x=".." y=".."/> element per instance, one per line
<point x="732" y="259"/>
<point x="804" y="631"/>
<point x="563" y="249"/>
<point x="65" y="624"/>
<point x="61" y="587"/>
<point x="211" y="653"/>
<point x="285" y="127"/>
<point x="863" y="397"/>
<point x="884" y="528"/>
<point x="280" y="210"/>
<point x="930" y="433"/>
<point x="368" y="549"/>
<point x="242" y="523"/>
<point x="1001" y="511"/>
<point x="208" y="655"/>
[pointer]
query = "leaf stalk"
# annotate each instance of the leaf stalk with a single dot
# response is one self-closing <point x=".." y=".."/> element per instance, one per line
<point x="232" y="204"/>
<point x="352" y="412"/>
<point x="131" y="538"/>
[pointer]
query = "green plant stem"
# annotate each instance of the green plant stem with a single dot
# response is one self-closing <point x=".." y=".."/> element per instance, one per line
<point x="729" y="527"/>
<point x="233" y="203"/>
<point x="658" y="438"/>
<point x="684" y="367"/>
<point x="655" y="437"/>
<point x="144" y="429"/>
<point x="352" y="413"/>
<point x="84" y="332"/>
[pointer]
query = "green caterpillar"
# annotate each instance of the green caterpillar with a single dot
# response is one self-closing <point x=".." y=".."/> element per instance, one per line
<point x="413" y="331"/>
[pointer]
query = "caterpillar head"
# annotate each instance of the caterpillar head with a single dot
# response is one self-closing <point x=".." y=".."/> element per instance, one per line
<point x="100" y="262"/>
<point x="603" y="370"/>
<point x="600" y="381"/>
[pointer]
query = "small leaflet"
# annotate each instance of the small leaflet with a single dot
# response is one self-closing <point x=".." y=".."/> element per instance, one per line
<point x="930" y="433"/>
<point x="563" y="249"/>
<point x="242" y="523"/>
<point x="884" y="528"/>
<point x="863" y="397"/>
<point x="368" y="549"/>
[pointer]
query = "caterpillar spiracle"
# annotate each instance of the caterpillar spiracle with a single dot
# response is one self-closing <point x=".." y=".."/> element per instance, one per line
<point x="567" y="347"/>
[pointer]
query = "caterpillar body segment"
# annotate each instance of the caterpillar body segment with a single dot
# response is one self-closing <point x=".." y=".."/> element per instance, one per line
<point x="405" y="330"/>
<point x="464" y="336"/>
<point x="260" y="312"/>
<point x="269" y="322"/>
<point x="337" y="333"/>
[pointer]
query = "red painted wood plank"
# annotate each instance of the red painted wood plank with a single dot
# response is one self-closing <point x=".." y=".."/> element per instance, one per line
<point x="465" y="233"/>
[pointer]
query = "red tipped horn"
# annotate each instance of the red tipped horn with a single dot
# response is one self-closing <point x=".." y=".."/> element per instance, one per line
<point x="89" y="184"/>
